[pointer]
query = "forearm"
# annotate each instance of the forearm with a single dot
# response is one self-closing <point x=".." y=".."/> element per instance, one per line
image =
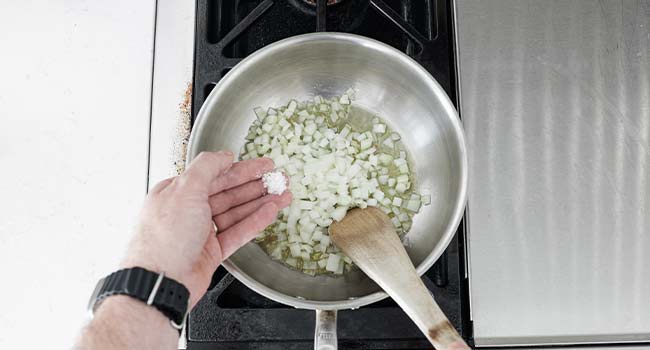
<point x="177" y="235"/>
<point x="122" y="322"/>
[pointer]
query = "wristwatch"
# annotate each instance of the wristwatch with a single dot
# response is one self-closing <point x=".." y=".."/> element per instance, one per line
<point x="168" y="296"/>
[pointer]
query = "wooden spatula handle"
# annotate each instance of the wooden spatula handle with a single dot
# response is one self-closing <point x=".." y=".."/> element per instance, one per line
<point x="400" y="280"/>
<point x="407" y="289"/>
<point x="381" y="255"/>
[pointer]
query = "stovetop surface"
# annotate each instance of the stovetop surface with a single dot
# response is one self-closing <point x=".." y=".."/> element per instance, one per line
<point x="231" y="316"/>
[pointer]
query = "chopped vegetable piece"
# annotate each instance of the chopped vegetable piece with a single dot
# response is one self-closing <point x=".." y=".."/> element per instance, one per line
<point x="388" y="142"/>
<point x="295" y="250"/>
<point x="413" y="205"/>
<point x="339" y="213"/>
<point x="402" y="179"/>
<point x="333" y="262"/>
<point x="379" y="128"/>
<point x="260" y="113"/>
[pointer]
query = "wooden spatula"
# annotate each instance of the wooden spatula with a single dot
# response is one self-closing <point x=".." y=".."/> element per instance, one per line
<point x="369" y="239"/>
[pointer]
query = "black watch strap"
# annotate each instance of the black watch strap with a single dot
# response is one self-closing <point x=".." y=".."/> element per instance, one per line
<point x="165" y="294"/>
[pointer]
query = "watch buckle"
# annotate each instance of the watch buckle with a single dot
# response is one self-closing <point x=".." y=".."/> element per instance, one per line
<point x="187" y="312"/>
<point x="92" y="302"/>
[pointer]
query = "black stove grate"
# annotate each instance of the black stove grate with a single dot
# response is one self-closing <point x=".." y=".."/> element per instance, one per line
<point x="229" y="30"/>
<point x="231" y="316"/>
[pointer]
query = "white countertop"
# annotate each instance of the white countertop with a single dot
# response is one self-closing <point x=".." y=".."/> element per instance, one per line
<point x="75" y="86"/>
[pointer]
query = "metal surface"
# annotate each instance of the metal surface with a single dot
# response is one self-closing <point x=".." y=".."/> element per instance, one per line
<point x="555" y="99"/>
<point x="154" y="290"/>
<point x="171" y="88"/>
<point x="325" y="331"/>
<point x="389" y="84"/>
<point x="92" y="302"/>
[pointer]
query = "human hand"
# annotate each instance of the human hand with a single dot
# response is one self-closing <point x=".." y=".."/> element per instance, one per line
<point x="176" y="234"/>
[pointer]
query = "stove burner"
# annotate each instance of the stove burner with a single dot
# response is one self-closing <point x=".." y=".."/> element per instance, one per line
<point x="329" y="2"/>
<point x="333" y="9"/>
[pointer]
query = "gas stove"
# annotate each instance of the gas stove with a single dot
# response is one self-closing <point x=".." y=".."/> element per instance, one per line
<point x="231" y="316"/>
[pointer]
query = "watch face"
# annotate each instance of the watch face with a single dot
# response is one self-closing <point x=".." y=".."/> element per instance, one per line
<point x="93" y="298"/>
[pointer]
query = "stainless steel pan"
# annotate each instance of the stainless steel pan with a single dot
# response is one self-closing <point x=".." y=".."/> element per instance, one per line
<point x="389" y="84"/>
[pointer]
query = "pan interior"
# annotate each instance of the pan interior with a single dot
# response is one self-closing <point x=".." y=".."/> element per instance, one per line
<point x="389" y="85"/>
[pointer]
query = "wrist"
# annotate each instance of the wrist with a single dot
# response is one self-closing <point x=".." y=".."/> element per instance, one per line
<point x="123" y="306"/>
<point x="138" y="257"/>
<point x="152" y="265"/>
<point x="124" y="322"/>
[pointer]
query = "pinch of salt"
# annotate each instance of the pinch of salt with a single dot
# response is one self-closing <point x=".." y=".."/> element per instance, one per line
<point x="274" y="182"/>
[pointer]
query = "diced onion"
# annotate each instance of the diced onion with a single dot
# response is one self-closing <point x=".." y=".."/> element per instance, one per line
<point x="379" y="128"/>
<point x="333" y="166"/>
<point x="333" y="262"/>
